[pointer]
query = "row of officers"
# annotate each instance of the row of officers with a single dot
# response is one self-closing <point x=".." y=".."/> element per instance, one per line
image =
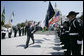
<point x="21" y="30"/>
<point x="71" y="34"/>
<point x="16" y="30"/>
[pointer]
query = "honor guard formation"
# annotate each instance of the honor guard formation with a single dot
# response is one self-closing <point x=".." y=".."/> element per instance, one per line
<point x="65" y="30"/>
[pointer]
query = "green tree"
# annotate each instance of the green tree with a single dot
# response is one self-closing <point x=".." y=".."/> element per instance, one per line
<point x="3" y="17"/>
<point x="22" y="24"/>
<point x="18" y="24"/>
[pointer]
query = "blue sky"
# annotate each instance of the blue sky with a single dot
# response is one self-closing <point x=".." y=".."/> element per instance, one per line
<point x="36" y="10"/>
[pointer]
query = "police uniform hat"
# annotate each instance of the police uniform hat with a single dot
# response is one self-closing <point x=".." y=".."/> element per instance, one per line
<point x="72" y="13"/>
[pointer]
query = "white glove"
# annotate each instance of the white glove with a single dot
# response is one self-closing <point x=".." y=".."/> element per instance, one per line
<point x="61" y="26"/>
<point x="79" y="42"/>
<point x="32" y="32"/>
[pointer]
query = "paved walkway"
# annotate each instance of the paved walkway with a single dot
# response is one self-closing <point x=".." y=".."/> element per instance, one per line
<point x="44" y="45"/>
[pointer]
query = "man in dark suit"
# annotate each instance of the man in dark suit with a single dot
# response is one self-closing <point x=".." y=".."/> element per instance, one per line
<point x="28" y="34"/>
<point x="30" y="31"/>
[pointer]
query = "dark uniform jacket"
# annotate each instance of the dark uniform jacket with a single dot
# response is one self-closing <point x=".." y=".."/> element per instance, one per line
<point x="76" y="26"/>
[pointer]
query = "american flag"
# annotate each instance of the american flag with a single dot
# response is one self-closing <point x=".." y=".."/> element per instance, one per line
<point x="57" y="18"/>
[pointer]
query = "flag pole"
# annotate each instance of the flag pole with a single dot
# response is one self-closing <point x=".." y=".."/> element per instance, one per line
<point x="61" y="19"/>
<point x="48" y="25"/>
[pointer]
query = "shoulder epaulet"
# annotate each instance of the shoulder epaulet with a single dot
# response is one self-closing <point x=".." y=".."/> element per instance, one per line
<point x="79" y="21"/>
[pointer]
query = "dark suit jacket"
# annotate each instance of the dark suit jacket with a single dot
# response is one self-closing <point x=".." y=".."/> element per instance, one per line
<point x="28" y="30"/>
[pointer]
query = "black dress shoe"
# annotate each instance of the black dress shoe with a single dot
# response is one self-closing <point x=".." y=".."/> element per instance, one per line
<point x="63" y="47"/>
<point x="65" y="52"/>
<point x="25" y="47"/>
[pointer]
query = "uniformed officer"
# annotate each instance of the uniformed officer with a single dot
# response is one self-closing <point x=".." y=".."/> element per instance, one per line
<point x="25" y="30"/>
<point x="3" y="31"/>
<point x="15" y="31"/>
<point x="59" y="31"/>
<point x="19" y="28"/>
<point x="22" y="31"/>
<point x="75" y="34"/>
<point x="9" y="32"/>
<point x="64" y="34"/>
